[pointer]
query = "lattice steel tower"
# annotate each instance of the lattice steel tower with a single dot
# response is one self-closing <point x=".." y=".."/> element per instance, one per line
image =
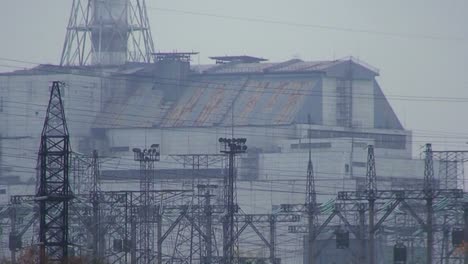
<point x="107" y="32"/>
<point x="371" y="193"/>
<point x="145" y="241"/>
<point x="53" y="193"/>
<point x="429" y="197"/>
<point x="311" y="200"/>
<point x="231" y="147"/>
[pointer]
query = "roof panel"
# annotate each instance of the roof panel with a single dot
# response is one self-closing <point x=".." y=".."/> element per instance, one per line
<point x="204" y="102"/>
<point x="271" y="101"/>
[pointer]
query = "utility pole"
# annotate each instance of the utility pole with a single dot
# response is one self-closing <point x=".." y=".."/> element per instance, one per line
<point x="98" y="239"/>
<point x="371" y="188"/>
<point x="54" y="192"/>
<point x="13" y="234"/>
<point x="273" y="239"/>
<point x="147" y="158"/>
<point x="310" y="201"/>
<point x="207" y="247"/>
<point x="362" y="232"/>
<point x="429" y="197"/>
<point x="231" y="147"/>
<point x="159" y="234"/>
<point x="465" y="232"/>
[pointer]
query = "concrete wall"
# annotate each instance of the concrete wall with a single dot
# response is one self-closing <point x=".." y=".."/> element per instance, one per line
<point x="406" y="152"/>
<point x="24" y="104"/>
<point x="329" y="101"/>
<point x="363" y="103"/>
<point x="196" y="140"/>
<point x="25" y="100"/>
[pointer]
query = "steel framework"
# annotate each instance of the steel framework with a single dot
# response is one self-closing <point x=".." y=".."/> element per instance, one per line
<point x="311" y="200"/>
<point x="231" y="147"/>
<point x="98" y="30"/>
<point x="451" y="168"/>
<point x="145" y="219"/>
<point x="399" y="198"/>
<point x="54" y="194"/>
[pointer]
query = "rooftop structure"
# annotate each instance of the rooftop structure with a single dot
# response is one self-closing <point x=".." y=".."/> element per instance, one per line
<point x="107" y="32"/>
<point x="235" y="59"/>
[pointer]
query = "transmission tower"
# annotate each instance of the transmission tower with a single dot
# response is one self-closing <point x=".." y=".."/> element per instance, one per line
<point x="429" y="197"/>
<point x="371" y="189"/>
<point x="107" y="32"/>
<point x="147" y="158"/>
<point x="231" y="147"/>
<point x="451" y="168"/>
<point x="54" y="194"/>
<point x="205" y="191"/>
<point x="98" y="236"/>
<point x="311" y="200"/>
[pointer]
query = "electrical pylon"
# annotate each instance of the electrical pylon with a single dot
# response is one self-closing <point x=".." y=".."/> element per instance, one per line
<point x="371" y="189"/>
<point x="311" y="201"/>
<point x="429" y="197"/>
<point x="53" y="193"/>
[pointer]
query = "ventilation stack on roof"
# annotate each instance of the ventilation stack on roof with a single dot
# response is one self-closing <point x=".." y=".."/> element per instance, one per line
<point x="107" y="32"/>
<point x="171" y="70"/>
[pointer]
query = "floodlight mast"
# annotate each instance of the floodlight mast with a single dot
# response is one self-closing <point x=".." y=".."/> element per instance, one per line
<point x="147" y="158"/>
<point x="231" y="147"/>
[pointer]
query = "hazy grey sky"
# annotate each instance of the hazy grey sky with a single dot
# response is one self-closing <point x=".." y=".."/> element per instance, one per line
<point x="427" y="56"/>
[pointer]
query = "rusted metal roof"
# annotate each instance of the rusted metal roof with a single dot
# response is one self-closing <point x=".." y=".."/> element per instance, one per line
<point x="294" y="65"/>
<point x="271" y="101"/>
<point x="204" y="102"/>
<point x="258" y="93"/>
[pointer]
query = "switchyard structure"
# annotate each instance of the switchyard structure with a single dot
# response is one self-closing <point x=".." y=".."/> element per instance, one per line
<point x="150" y="226"/>
<point x="143" y="158"/>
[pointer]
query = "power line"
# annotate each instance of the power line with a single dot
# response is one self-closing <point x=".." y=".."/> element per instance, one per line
<point x="187" y="83"/>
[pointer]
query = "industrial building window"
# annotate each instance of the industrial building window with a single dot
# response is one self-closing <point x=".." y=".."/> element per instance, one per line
<point x="311" y="145"/>
<point x="119" y="149"/>
<point x="359" y="144"/>
<point x="381" y="140"/>
<point x="360" y="184"/>
<point x="1" y="104"/>
<point x="2" y="191"/>
<point x="359" y="164"/>
<point x="344" y="103"/>
<point x="405" y="184"/>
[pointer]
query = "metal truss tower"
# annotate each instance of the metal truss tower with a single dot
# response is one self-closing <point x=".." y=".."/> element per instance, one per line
<point x="371" y="189"/>
<point x="451" y="168"/>
<point x="429" y="197"/>
<point x="311" y="201"/>
<point x="95" y="198"/>
<point x="147" y="158"/>
<point x="53" y="193"/>
<point x="231" y="147"/>
<point x="107" y="32"/>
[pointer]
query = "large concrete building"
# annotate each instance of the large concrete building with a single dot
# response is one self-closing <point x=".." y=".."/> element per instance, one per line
<point x="186" y="108"/>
